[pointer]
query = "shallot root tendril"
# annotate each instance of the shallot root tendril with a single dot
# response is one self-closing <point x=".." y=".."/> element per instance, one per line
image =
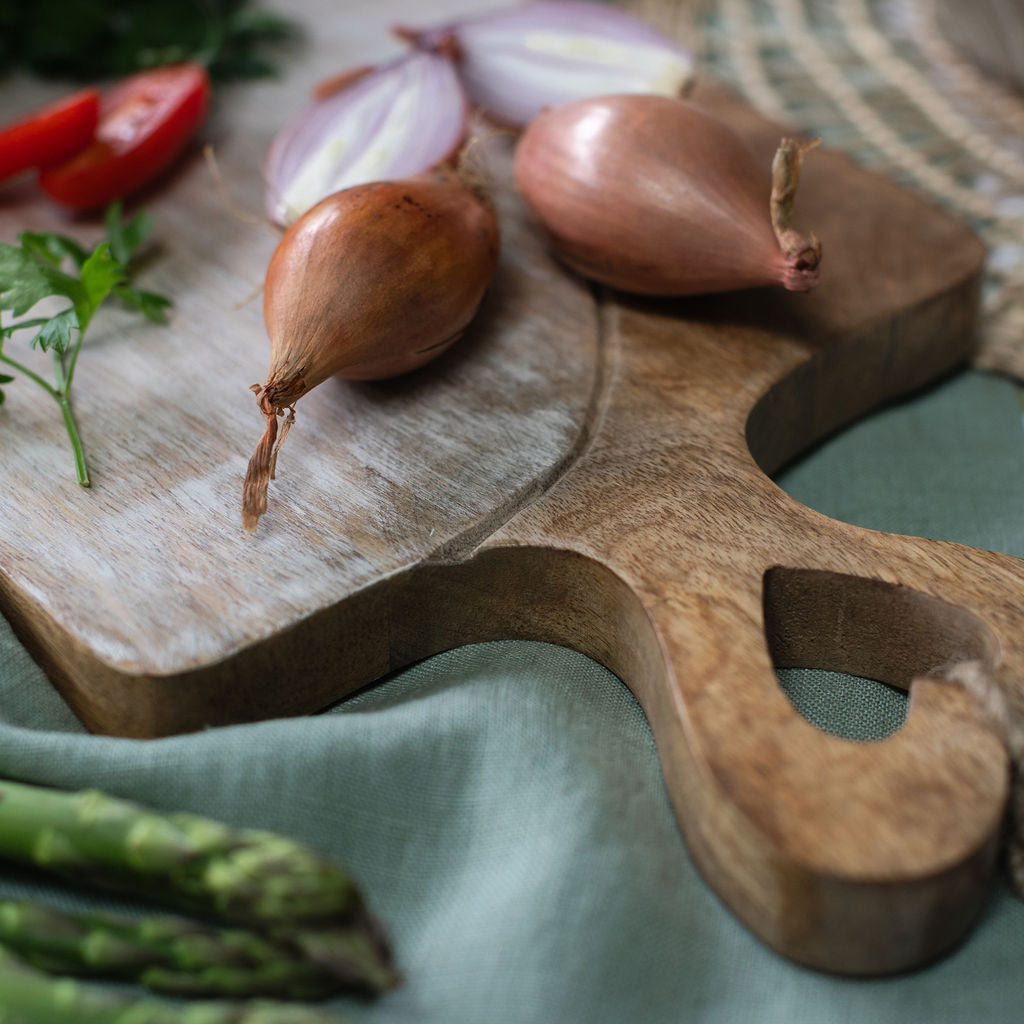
<point x="802" y="254"/>
<point x="286" y="425"/>
<point x="263" y="464"/>
<point x="257" y="476"/>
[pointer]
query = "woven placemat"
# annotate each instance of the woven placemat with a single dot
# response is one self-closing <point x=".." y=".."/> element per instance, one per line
<point x="880" y="81"/>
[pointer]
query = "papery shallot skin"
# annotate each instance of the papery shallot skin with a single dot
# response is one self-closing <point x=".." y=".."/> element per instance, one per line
<point x="653" y="196"/>
<point x="375" y="281"/>
<point x="372" y="282"/>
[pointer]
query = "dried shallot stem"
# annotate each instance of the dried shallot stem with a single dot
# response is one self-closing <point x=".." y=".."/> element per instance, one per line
<point x="263" y="464"/>
<point x="470" y="164"/>
<point x="327" y="87"/>
<point x="802" y="254"/>
<point x="286" y="425"/>
<point x="444" y="43"/>
<point x="257" y="475"/>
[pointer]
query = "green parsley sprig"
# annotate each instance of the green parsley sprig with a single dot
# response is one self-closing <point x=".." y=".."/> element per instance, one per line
<point x="34" y="270"/>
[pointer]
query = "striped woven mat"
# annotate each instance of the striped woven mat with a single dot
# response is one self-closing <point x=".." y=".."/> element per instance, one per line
<point x="880" y="80"/>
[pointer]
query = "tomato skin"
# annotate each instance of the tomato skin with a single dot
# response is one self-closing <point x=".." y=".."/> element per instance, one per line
<point x="50" y="134"/>
<point x="145" y="122"/>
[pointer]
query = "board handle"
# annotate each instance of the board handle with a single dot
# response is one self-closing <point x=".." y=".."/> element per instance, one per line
<point x="852" y="857"/>
<point x="858" y="858"/>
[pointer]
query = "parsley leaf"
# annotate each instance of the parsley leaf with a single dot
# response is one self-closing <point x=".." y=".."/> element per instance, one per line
<point x="51" y="247"/>
<point x="25" y="280"/>
<point x="100" y="273"/>
<point x="126" y="239"/>
<point x="32" y="271"/>
<point x="55" y="333"/>
<point x="151" y="305"/>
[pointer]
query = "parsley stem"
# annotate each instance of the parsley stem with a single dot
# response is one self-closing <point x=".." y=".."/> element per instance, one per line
<point x="81" y="469"/>
<point x="68" y="368"/>
<point x="60" y="374"/>
<point x="28" y="373"/>
<point x="63" y="396"/>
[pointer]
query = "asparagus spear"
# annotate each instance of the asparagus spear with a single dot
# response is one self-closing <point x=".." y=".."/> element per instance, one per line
<point x="192" y="862"/>
<point x="171" y="954"/>
<point x="28" y="996"/>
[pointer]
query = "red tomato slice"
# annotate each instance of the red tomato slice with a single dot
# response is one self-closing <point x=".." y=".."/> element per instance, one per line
<point x="51" y="134"/>
<point x="145" y="122"/>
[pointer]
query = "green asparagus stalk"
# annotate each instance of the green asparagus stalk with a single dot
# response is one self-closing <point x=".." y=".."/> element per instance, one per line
<point x="29" y="996"/>
<point x="195" y="863"/>
<point x="191" y="863"/>
<point x="183" y="957"/>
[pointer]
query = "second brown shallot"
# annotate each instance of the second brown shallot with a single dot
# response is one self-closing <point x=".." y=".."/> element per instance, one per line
<point x="656" y="196"/>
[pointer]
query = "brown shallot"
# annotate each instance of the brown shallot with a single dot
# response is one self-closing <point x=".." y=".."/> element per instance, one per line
<point x="658" y="197"/>
<point x="372" y="282"/>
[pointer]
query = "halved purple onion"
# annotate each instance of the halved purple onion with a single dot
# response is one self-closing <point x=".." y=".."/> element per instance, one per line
<point x="518" y="60"/>
<point x="395" y="121"/>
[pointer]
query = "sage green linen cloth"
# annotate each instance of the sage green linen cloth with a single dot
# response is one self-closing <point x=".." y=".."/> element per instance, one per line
<point x="503" y="808"/>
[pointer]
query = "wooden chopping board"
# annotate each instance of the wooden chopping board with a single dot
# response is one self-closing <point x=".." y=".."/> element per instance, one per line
<point x="582" y="468"/>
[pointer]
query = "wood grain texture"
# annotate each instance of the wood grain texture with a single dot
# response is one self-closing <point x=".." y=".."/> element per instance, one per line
<point x="584" y="469"/>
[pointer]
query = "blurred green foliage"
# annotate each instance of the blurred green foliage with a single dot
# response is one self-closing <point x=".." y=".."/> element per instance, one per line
<point x="92" y="40"/>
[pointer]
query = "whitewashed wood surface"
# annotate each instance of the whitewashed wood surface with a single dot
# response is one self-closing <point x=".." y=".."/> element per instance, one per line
<point x="149" y="570"/>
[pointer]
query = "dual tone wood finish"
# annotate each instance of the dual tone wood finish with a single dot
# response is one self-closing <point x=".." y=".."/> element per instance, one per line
<point x="583" y="469"/>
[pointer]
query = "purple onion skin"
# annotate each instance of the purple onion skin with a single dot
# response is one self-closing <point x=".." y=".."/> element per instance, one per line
<point x="508" y="77"/>
<point x="417" y="98"/>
